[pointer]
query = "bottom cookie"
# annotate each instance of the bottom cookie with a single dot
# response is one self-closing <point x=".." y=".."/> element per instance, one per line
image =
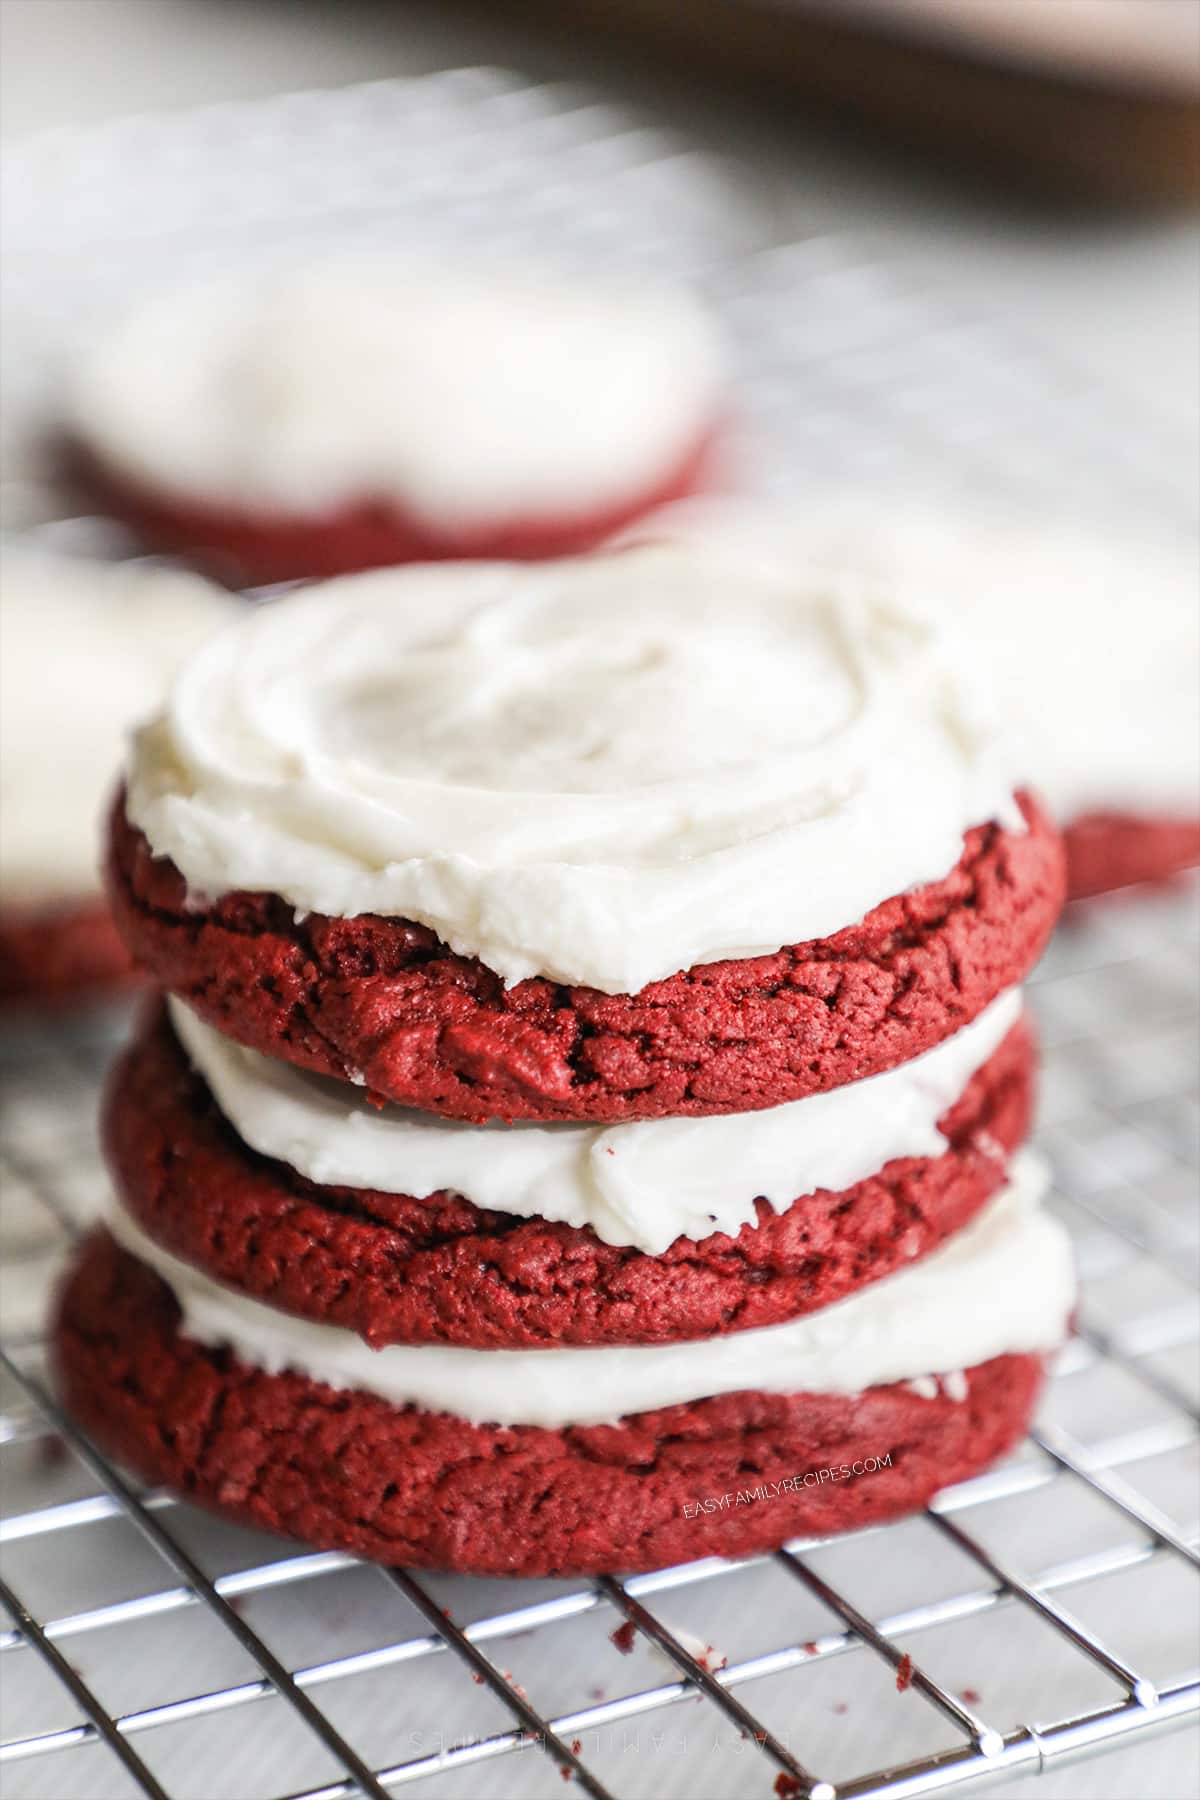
<point x="338" y="1469"/>
<point x="1107" y="850"/>
<point x="59" y="955"/>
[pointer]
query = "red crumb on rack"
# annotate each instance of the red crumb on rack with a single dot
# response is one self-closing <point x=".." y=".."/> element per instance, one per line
<point x="786" y="1786"/>
<point x="971" y="1696"/>
<point x="904" y="1674"/>
<point x="597" y="1693"/>
<point x="712" y="1660"/>
<point x="476" y="1678"/>
<point x="810" y="1649"/>
<point x="576" y="1746"/>
<point x="623" y="1637"/>
<point x="514" y="1685"/>
<point x="839" y="1706"/>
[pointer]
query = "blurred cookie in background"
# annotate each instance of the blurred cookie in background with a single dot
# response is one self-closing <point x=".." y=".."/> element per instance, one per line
<point x="86" y="649"/>
<point x="1089" y="638"/>
<point x="347" y="414"/>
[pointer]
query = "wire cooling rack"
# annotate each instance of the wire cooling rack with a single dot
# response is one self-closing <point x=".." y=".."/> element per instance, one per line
<point x="1050" y="1606"/>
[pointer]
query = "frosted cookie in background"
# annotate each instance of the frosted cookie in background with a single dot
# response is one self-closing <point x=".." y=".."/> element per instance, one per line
<point x="86" y="650"/>
<point x="365" y="411"/>
<point x="1090" y="640"/>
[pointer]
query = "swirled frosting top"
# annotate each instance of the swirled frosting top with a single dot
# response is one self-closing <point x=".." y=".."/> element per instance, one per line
<point x="601" y="771"/>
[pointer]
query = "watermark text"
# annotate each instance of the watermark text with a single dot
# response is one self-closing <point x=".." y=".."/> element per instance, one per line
<point x="788" y="1484"/>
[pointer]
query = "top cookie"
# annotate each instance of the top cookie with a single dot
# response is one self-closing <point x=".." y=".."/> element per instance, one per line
<point x="633" y="834"/>
<point x="375" y="410"/>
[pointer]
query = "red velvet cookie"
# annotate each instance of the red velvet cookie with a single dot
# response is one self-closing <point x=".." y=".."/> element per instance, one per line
<point x="364" y="409"/>
<point x="384" y="999"/>
<point x="248" y="549"/>
<point x="1107" y="850"/>
<point x="60" y="954"/>
<point x="347" y="1470"/>
<point x="398" y="1269"/>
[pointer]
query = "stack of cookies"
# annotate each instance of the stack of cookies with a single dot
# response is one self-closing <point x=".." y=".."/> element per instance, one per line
<point x="582" y="1131"/>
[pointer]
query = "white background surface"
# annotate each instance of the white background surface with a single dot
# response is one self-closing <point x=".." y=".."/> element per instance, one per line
<point x="1119" y="295"/>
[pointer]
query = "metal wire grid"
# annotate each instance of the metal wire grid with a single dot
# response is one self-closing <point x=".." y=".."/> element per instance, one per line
<point x="856" y="370"/>
<point x="1043" y="1603"/>
<point x="1116" y="1433"/>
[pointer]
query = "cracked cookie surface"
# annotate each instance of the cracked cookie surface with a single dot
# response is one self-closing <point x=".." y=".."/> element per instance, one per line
<point x="385" y="1002"/>
<point x="437" y="1269"/>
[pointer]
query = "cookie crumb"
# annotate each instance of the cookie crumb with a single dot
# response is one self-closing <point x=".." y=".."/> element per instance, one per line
<point x="839" y="1706"/>
<point x="786" y="1786"/>
<point x="476" y="1678"/>
<point x="971" y="1696"/>
<point x="623" y="1637"/>
<point x="904" y="1674"/>
<point x="576" y="1746"/>
<point x="810" y="1649"/>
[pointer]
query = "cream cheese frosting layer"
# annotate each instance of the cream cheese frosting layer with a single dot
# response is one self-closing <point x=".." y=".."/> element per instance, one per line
<point x="644" y="1184"/>
<point x="1003" y="1284"/>
<point x="470" y="394"/>
<point x="602" y="770"/>
<point x="87" y="649"/>
<point x="1092" y="636"/>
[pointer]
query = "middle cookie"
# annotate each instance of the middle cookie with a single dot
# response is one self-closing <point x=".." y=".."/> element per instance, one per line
<point x="297" y="1190"/>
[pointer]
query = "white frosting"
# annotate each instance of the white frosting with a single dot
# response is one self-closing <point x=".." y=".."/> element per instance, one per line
<point x="644" y="1184"/>
<point x="1092" y="637"/>
<point x="86" y="650"/>
<point x="471" y="394"/>
<point x="601" y="770"/>
<point x="1003" y="1284"/>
